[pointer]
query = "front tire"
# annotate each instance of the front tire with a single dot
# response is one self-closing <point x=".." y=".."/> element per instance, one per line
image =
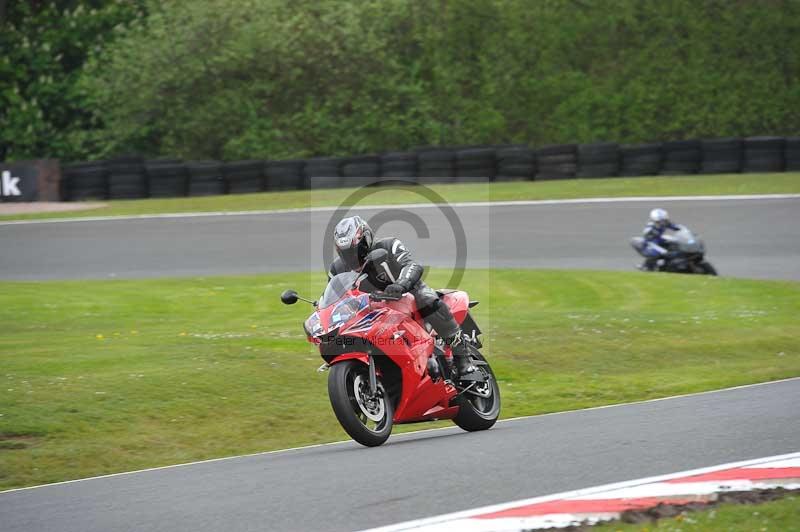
<point x="367" y="420"/>
<point x="479" y="411"/>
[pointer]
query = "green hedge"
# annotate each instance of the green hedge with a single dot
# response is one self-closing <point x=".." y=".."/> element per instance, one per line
<point x="272" y="79"/>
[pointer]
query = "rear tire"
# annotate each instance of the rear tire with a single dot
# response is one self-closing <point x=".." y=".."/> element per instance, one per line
<point x="707" y="268"/>
<point x="354" y="414"/>
<point x="479" y="413"/>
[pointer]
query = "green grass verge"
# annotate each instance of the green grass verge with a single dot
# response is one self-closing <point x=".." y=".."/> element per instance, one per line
<point x="778" y="183"/>
<point x="105" y="376"/>
<point x="774" y="516"/>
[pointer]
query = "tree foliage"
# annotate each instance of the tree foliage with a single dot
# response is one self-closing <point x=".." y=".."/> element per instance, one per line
<point x="285" y="78"/>
<point x="43" y="45"/>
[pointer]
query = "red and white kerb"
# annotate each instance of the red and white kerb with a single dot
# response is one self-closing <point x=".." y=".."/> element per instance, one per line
<point x="604" y="503"/>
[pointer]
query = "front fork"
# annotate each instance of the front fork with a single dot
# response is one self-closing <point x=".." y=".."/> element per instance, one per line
<point x="373" y="377"/>
<point x="373" y="373"/>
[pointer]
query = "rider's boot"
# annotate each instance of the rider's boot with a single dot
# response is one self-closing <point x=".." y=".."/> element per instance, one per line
<point x="439" y="316"/>
<point x="649" y="264"/>
<point x="466" y="370"/>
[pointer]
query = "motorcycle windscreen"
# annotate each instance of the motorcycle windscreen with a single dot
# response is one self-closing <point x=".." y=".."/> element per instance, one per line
<point x="337" y="287"/>
<point x="687" y="242"/>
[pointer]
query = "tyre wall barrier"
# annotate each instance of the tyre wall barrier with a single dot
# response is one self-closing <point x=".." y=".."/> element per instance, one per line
<point x="436" y="165"/>
<point x="763" y="154"/>
<point x="205" y="178"/>
<point x="601" y="159"/>
<point x="791" y="152"/>
<point x="131" y="177"/>
<point x="640" y="159"/>
<point x="166" y="178"/>
<point x="721" y="156"/>
<point x="556" y="161"/>
<point x="681" y="157"/>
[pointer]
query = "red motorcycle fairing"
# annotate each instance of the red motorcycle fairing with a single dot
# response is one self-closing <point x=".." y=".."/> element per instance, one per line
<point x="458" y="302"/>
<point x="353" y="355"/>
<point x="392" y="330"/>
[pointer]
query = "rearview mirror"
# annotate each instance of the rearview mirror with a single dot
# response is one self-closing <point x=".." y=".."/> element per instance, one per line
<point x="289" y="297"/>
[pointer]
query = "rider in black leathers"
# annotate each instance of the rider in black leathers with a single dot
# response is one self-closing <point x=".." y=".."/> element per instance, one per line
<point x="354" y="239"/>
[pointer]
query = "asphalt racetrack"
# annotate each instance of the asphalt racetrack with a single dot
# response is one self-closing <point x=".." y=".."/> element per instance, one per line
<point x="754" y="238"/>
<point x="345" y="486"/>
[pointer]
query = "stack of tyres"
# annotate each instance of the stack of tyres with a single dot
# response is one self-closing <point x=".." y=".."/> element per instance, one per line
<point x="361" y="171"/>
<point x="243" y="177"/>
<point x="475" y="165"/>
<point x="85" y="181"/>
<point x="126" y="178"/>
<point x="323" y="172"/>
<point x="399" y="166"/>
<point x="436" y="165"/>
<point x="166" y="178"/>
<point x="515" y="163"/>
<point x="640" y="159"/>
<point x="556" y="161"/>
<point x="681" y="157"/>
<point x="721" y="156"/>
<point x="599" y="159"/>
<point x="763" y="154"/>
<point x="791" y="154"/>
<point x="285" y="175"/>
<point x="205" y="178"/>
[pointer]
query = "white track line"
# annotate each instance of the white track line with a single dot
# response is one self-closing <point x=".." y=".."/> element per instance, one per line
<point x="580" y="493"/>
<point x="465" y="204"/>
<point x="414" y="433"/>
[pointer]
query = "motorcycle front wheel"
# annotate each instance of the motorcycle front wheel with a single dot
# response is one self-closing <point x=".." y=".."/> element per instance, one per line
<point x="366" y="418"/>
<point x="479" y="407"/>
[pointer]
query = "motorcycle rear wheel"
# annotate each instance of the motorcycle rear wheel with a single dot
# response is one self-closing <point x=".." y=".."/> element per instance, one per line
<point x="367" y="420"/>
<point x="707" y="268"/>
<point x="476" y="412"/>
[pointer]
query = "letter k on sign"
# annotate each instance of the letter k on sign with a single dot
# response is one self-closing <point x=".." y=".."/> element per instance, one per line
<point x="9" y="185"/>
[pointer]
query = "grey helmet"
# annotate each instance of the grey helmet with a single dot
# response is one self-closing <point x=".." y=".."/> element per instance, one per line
<point x="353" y="240"/>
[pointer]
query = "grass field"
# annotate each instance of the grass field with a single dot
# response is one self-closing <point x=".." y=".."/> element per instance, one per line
<point x="778" y="183"/>
<point x="106" y="376"/>
<point x="775" y="516"/>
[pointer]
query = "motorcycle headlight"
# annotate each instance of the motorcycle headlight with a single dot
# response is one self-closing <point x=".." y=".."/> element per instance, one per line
<point x="313" y="326"/>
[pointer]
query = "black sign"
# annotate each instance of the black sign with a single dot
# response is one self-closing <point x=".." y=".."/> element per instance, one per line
<point x="18" y="182"/>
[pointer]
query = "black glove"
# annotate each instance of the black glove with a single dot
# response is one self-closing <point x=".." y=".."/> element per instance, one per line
<point x="395" y="290"/>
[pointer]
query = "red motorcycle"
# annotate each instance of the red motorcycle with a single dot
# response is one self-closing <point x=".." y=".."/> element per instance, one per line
<point x="387" y="366"/>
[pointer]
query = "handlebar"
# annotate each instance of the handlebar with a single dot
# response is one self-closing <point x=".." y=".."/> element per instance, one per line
<point x="383" y="296"/>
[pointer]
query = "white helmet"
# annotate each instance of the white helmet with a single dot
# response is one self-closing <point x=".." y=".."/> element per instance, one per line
<point x="659" y="216"/>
